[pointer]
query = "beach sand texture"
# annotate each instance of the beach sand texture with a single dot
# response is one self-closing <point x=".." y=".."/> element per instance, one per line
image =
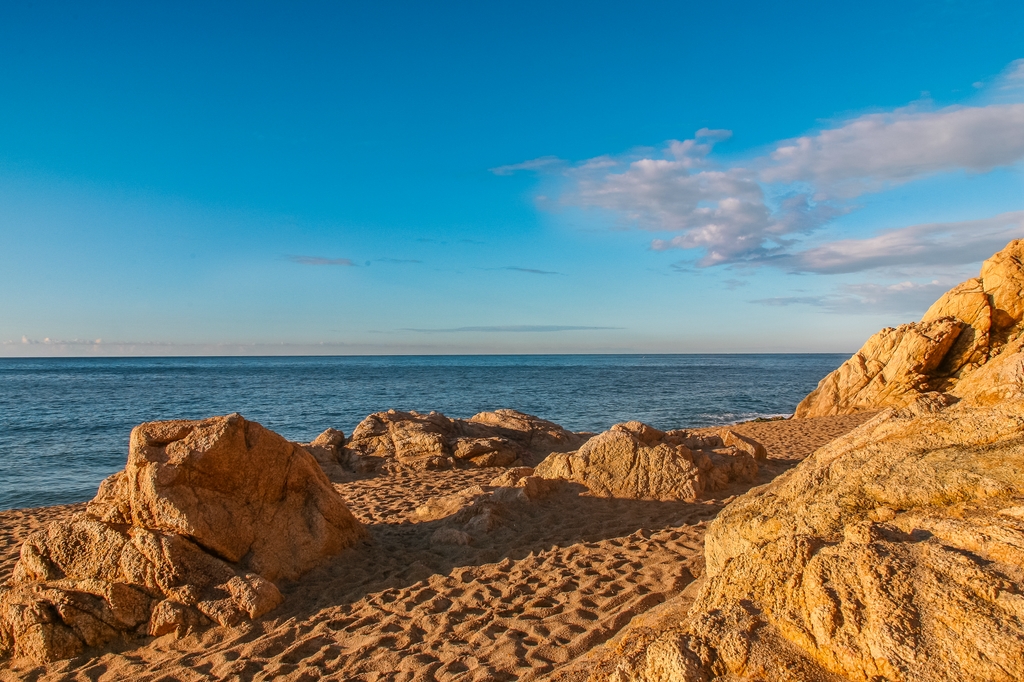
<point x="527" y="601"/>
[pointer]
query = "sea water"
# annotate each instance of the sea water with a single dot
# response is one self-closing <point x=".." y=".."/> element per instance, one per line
<point x="64" y="422"/>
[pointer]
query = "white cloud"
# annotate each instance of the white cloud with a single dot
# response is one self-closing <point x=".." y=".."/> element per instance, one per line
<point x="725" y="212"/>
<point x="874" y="151"/>
<point x="928" y="244"/>
<point x="1009" y="87"/>
<point x="754" y="211"/>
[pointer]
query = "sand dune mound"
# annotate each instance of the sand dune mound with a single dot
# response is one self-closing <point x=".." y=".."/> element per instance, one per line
<point x="434" y="441"/>
<point x="203" y="518"/>
<point x="636" y="461"/>
<point x="971" y="325"/>
<point x="894" y="553"/>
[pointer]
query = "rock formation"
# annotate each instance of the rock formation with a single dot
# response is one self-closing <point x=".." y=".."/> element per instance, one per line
<point x="434" y="441"/>
<point x="634" y="460"/>
<point x="968" y="327"/>
<point x="894" y="553"/>
<point x="205" y="515"/>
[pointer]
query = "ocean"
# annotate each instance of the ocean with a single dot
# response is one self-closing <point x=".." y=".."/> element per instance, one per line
<point x="64" y="422"/>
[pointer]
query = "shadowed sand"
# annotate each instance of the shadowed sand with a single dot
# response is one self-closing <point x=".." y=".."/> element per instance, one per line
<point x="558" y="577"/>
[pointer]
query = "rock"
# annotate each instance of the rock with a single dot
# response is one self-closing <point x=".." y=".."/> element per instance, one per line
<point x="473" y="511"/>
<point x="636" y="461"/>
<point x="415" y="440"/>
<point x="968" y="327"/>
<point x="328" y="450"/>
<point x="448" y="505"/>
<point x="486" y="452"/>
<point x="744" y="443"/>
<point x="968" y="303"/>
<point x="240" y="491"/>
<point x="1002" y="277"/>
<point x="450" y="536"/>
<point x="194" y="529"/>
<point x="537" y="487"/>
<point x="999" y="380"/>
<point x="478" y="510"/>
<point x="434" y="441"/>
<point x="891" y="369"/>
<point x="331" y="438"/>
<point x="511" y="477"/>
<point x="894" y="553"/>
<point x="537" y="437"/>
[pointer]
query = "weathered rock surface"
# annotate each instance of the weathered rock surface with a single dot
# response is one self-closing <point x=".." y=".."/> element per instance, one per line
<point x="634" y="460"/>
<point x="968" y="327"/>
<point x="894" y="553"/>
<point x="205" y="515"/>
<point x="434" y="441"/>
<point x="999" y="380"/>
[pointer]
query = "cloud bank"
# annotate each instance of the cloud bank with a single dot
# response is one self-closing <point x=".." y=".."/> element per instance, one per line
<point x="759" y="210"/>
<point x="955" y="243"/>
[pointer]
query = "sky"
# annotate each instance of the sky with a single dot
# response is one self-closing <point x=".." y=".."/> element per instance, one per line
<point x="502" y="177"/>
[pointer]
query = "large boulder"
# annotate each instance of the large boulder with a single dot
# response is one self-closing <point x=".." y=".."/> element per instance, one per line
<point x="636" y="461"/>
<point x="894" y="553"/>
<point x="434" y="441"/>
<point x="195" y="529"/>
<point x="965" y="329"/>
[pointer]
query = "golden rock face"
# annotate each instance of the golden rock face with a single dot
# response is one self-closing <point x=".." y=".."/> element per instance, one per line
<point x="193" y="531"/>
<point x="970" y="326"/>
<point x="894" y="553"/>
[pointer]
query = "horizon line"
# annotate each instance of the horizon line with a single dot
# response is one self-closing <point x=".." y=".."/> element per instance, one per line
<point x="424" y="355"/>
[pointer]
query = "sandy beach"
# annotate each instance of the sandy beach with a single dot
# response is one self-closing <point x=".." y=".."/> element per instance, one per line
<point x="554" y="580"/>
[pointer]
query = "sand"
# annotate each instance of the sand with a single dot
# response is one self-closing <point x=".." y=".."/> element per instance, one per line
<point x="528" y="601"/>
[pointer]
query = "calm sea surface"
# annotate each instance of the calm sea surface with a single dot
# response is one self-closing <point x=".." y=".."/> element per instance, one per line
<point x="64" y="423"/>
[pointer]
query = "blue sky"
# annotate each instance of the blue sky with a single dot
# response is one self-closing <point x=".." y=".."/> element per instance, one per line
<point x="266" y="178"/>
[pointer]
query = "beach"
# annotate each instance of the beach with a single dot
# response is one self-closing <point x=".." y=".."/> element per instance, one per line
<point x="552" y="583"/>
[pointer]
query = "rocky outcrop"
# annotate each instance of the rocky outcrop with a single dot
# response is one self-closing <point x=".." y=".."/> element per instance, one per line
<point x="205" y="515"/>
<point x="636" y="461"/>
<point x="894" y="553"/>
<point x="434" y="441"/>
<point x="968" y="327"/>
